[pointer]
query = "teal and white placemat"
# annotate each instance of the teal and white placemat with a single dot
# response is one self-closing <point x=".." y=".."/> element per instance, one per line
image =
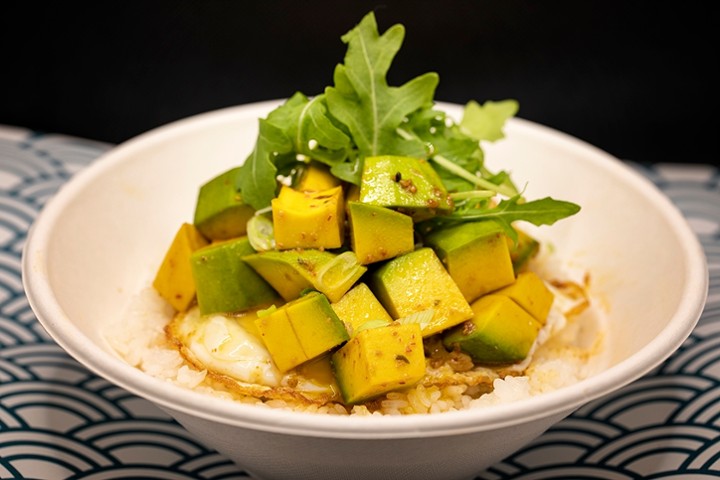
<point x="59" y="421"/>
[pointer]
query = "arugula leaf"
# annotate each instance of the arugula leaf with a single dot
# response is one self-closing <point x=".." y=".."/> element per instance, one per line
<point x="313" y="134"/>
<point x="443" y="137"/>
<point x="256" y="177"/>
<point x="485" y="122"/>
<point x="545" y="211"/>
<point x="300" y="126"/>
<point x="362" y="100"/>
<point x="361" y="115"/>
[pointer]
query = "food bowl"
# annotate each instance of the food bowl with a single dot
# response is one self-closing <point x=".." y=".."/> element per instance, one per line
<point x="101" y="238"/>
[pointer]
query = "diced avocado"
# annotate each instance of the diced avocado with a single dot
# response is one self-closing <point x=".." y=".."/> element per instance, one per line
<point x="522" y="251"/>
<point x="358" y="306"/>
<point x="220" y="213"/>
<point x="416" y="282"/>
<point x="404" y="183"/>
<point x="309" y="219"/>
<point x="378" y="233"/>
<point x="292" y="271"/>
<point x="225" y="283"/>
<point x="314" y="177"/>
<point x="499" y="332"/>
<point x="174" y="280"/>
<point x="301" y="330"/>
<point x="476" y="255"/>
<point x="316" y="324"/>
<point x="531" y="293"/>
<point x="379" y="360"/>
<point x="277" y="334"/>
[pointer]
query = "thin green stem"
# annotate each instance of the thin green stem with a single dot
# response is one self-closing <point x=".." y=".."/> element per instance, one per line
<point x="474" y="179"/>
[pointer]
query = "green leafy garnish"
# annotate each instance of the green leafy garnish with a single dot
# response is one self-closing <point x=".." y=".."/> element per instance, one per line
<point x="360" y="115"/>
<point x="545" y="211"/>
<point x="485" y="122"/>
<point x="362" y="100"/>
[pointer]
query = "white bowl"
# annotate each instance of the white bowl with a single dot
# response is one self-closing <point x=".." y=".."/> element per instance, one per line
<point x="100" y="239"/>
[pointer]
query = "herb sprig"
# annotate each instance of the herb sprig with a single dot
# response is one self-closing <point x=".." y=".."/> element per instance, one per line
<point x="361" y="115"/>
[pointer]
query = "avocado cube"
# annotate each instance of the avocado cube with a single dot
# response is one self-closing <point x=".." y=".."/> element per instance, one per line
<point x="279" y="338"/>
<point x="301" y="330"/>
<point x="220" y="213"/>
<point x="378" y="233"/>
<point x="316" y="324"/>
<point x="379" y="360"/>
<point x="416" y="282"/>
<point x="224" y="282"/>
<point x="476" y="255"/>
<point x="531" y="293"/>
<point x="174" y="280"/>
<point x="522" y="251"/>
<point x="314" y="177"/>
<point x="359" y="306"/>
<point x="499" y="332"/>
<point x="289" y="272"/>
<point x="309" y="219"/>
<point x="404" y="183"/>
<point x="292" y="271"/>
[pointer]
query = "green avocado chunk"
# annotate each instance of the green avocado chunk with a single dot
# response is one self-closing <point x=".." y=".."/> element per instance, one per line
<point x="417" y="282"/>
<point x="476" y="255"/>
<point x="220" y="213"/>
<point x="407" y="184"/>
<point x="500" y="331"/>
<point x="224" y="282"/>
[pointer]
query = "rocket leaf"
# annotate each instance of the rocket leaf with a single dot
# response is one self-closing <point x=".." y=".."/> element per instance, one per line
<point x="363" y="101"/>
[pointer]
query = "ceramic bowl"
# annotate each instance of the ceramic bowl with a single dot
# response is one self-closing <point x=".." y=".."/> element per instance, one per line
<point x="100" y="239"/>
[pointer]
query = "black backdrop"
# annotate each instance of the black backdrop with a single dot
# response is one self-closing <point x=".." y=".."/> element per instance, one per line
<point x="636" y="79"/>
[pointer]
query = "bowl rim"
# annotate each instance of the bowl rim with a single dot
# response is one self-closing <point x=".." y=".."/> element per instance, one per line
<point x="177" y="399"/>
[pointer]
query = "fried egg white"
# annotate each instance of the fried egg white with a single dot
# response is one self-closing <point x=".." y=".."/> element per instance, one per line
<point x="223" y="345"/>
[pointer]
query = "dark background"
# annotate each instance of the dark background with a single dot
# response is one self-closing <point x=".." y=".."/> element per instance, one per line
<point x="636" y="79"/>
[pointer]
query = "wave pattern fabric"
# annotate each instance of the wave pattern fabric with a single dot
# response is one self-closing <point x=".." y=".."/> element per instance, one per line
<point x="58" y="420"/>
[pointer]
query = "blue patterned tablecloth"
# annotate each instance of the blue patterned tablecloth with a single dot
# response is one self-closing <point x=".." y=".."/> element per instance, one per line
<point x="59" y="421"/>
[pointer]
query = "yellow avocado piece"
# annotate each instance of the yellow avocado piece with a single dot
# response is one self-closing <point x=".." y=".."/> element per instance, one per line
<point x="379" y="360"/>
<point x="277" y="334"/>
<point x="531" y="293"/>
<point x="358" y="306"/>
<point x="292" y="271"/>
<point x="378" y="233"/>
<point x="174" y="280"/>
<point x="416" y="282"/>
<point x="476" y="255"/>
<point x="301" y="330"/>
<point x="309" y="219"/>
<point x="500" y="331"/>
<point x="315" y="177"/>
<point x="220" y="213"/>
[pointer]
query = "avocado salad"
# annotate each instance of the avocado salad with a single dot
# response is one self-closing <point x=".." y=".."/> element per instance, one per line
<point x="362" y="248"/>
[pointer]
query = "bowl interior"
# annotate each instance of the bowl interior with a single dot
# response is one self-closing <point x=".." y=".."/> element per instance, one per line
<point x="101" y="239"/>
